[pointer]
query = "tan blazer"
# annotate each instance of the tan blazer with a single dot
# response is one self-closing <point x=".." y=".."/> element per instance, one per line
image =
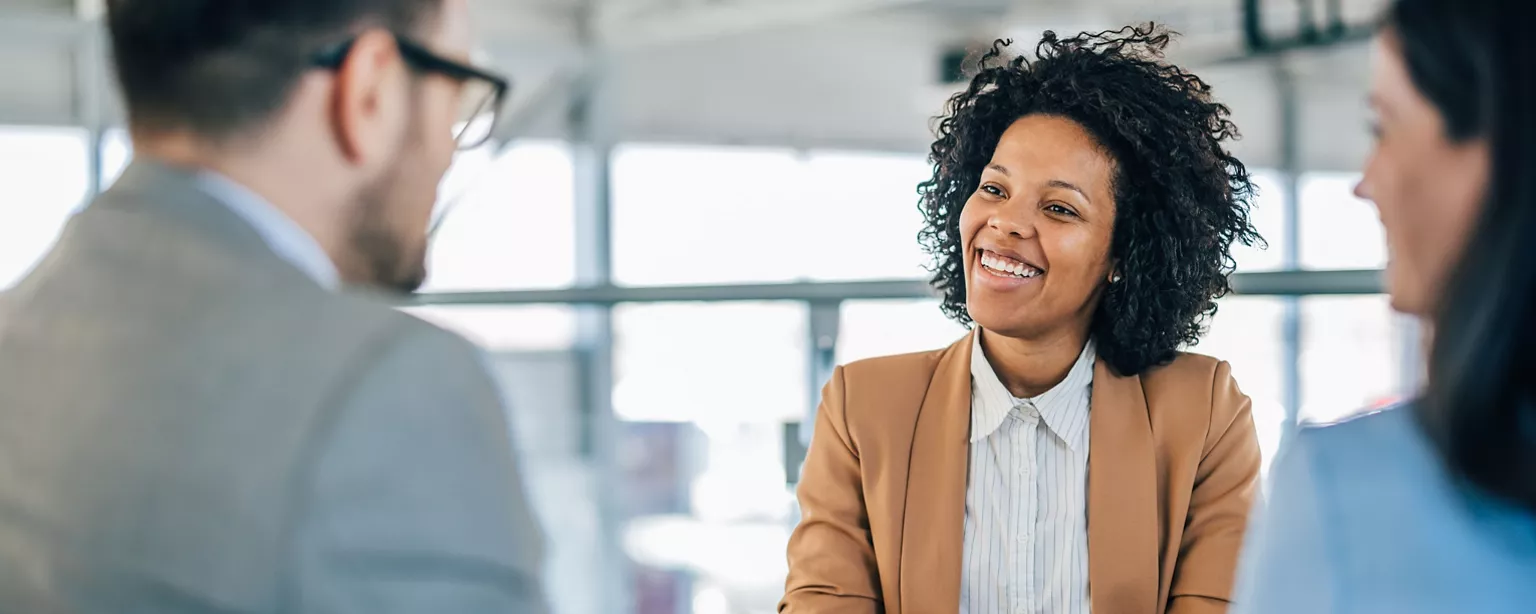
<point x="1173" y="466"/>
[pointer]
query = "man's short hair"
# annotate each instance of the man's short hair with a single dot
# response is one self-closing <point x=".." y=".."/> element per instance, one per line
<point x="219" y="67"/>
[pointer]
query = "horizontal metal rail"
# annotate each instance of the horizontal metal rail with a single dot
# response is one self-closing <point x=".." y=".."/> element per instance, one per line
<point x="1277" y="283"/>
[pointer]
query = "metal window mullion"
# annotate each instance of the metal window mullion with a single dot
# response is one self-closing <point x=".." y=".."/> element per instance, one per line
<point x="592" y="144"/>
<point x="1291" y="169"/>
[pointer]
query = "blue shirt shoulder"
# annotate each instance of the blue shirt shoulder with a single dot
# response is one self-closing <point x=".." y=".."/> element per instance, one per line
<point x="1363" y="517"/>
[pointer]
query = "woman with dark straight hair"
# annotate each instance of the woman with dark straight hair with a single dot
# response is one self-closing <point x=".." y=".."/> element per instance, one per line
<point x="1432" y="507"/>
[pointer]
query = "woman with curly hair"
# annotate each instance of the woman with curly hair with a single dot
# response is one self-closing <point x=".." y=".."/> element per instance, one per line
<point x="1065" y="456"/>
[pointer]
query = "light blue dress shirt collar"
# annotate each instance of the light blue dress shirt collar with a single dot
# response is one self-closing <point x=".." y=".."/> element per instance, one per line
<point x="993" y="402"/>
<point x="284" y="236"/>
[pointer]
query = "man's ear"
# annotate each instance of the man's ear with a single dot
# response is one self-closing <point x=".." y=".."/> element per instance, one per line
<point x="368" y="108"/>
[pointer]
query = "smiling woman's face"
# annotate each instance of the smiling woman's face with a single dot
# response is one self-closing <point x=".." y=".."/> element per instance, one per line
<point x="1036" y="235"/>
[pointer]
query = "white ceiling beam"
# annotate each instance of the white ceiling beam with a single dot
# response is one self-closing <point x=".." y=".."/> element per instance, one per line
<point x="724" y="19"/>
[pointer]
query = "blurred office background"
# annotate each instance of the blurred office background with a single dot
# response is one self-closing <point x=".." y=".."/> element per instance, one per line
<point x="698" y="207"/>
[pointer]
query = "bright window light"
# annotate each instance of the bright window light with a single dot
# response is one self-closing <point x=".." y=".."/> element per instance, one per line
<point x="700" y="362"/>
<point x="715" y="215"/>
<point x="510" y="224"/>
<point x="45" y="176"/>
<point x="1339" y="231"/>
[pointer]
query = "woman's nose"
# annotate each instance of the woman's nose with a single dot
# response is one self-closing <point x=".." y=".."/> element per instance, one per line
<point x="1013" y="220"/>
<point x="1363" y="190"/>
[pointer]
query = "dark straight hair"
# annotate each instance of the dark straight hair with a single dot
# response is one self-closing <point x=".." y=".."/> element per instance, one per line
<point x="1475" y="61"/>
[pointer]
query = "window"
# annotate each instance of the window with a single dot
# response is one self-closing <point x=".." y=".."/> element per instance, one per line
<point x="44" y="173"/>
<point x="506" y="329"/>
<point x="883" y="328"/>
<point x="864" y="219"/>
<point x="116" y="153"/>
<point x="737" y="526"/>
<point x="710" y="363"/>
<point x="508" y="221"/>
<point x="1247" y="332"/>
<point x="1353" y="356"/>
<point x="707" y="215"/>
<point x="1268" y="216"/>
<point x="700" y="215"/>
<point x="1339" y="231"/>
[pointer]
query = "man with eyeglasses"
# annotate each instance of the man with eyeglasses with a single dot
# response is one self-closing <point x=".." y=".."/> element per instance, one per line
<point x="201" y="408"/>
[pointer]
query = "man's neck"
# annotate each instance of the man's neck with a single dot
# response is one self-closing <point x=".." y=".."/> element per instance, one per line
<point x="266" y="176"/>
<point x="1030" y="367"/>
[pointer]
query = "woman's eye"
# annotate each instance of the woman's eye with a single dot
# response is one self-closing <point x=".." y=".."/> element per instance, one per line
<point x="993" y="190"/>
<point x="1060" y="210"/>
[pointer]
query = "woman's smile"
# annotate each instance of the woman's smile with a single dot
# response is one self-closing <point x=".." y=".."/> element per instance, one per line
<point x="1003" y="273"/>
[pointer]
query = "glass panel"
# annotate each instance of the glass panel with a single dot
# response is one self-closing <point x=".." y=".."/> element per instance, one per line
<point x="1268" y="216"/>
<point x="1248" y="333"/>
<point x="699" y="215"/>
<point x="883" y="328"/>
<point x="116" y="153"/>
<point x="705" y="363"/>
<point x="44" y="174"/>
<point x="512" y="224"/>
<point x="707" y="500"/>
<point x="707" y="215"/>
<point x="735" y="528"/>
<point x="499" y="329"/>
<point x="823" y="216"/>
<point x="1339" y="231"/>
<point x="864" y="218"/>
<point x="1352" y="356"/>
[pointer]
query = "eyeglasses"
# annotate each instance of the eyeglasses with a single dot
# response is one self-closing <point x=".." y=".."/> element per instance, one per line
<point x="481" y="100"/>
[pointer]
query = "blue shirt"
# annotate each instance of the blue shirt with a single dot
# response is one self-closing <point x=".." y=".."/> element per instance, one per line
<point x="1364" y="518"/>
<point x="284" y="236"/>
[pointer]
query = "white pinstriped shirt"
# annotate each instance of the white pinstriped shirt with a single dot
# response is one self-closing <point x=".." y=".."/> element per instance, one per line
<point x="1026" y="501"/>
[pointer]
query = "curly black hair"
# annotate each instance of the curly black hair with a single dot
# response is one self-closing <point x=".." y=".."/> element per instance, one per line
<point x="1181" y="199"/>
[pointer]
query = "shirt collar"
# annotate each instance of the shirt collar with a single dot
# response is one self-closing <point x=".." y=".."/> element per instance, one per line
<point x="284" y="236"/>
<point x="1059" y="407"/>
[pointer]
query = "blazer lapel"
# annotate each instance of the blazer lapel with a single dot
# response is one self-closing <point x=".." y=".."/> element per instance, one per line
<point x="933" y="528"/>
<point x="1122" y="497"/>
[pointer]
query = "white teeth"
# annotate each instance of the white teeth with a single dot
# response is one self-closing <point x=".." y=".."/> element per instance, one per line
<point x="1001" y="265"/>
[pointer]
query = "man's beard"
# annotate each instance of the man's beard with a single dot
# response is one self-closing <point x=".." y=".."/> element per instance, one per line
<point x="387" y="257"/>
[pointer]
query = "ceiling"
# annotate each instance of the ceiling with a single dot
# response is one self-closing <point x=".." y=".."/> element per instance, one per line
<point x="841" y="74"/>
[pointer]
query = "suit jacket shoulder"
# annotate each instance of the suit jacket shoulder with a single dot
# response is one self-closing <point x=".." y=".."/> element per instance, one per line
<point x="1186" y="374"/>
<point x="1192" y="396"/>
<point x="171" y="384"/>
<point x="880" y="394"/>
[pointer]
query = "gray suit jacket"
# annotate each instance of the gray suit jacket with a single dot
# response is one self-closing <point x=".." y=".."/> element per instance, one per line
<point x="188" y="424"/>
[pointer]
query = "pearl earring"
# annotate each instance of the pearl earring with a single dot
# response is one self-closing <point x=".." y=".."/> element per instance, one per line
<point x="1115" y="279"/>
